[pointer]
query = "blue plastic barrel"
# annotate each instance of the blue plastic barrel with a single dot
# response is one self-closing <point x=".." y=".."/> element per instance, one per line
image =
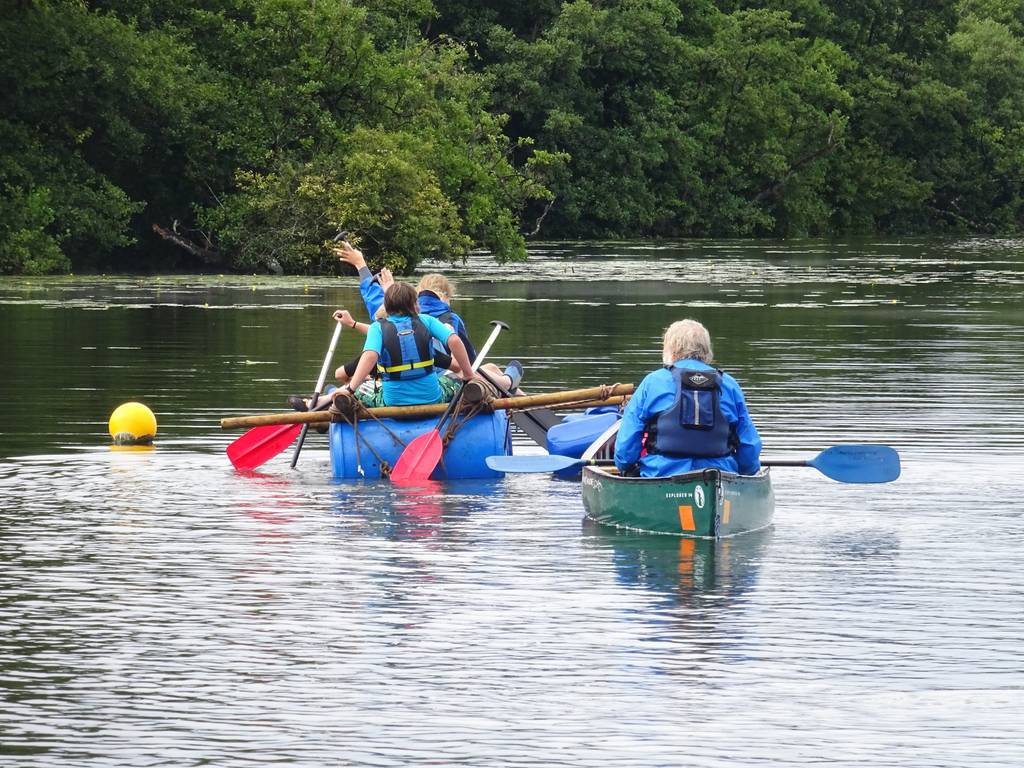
<point x="482" y="436"/>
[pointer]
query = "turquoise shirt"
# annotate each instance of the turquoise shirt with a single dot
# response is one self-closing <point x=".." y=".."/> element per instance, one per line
<point x="425" y="389"/>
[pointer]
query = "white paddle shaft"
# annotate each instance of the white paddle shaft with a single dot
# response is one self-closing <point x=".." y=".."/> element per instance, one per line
<point x="487" y="346"/>
<point x="327" y="361"/>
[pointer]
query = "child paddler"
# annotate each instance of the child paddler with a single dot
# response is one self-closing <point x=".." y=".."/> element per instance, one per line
<point x="400" y="347"/>
<point x="433" y="295"/>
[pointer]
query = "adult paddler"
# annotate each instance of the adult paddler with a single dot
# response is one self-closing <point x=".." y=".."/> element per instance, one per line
<point x="693" y="414"/>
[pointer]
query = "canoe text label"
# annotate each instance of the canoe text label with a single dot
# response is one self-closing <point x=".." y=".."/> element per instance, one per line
<point x="697" y="495"/>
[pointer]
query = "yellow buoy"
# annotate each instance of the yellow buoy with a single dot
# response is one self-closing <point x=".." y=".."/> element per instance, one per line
<point x="132" y="424"/>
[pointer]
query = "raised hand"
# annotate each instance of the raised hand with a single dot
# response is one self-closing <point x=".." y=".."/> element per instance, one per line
<point x="346" y="253"/>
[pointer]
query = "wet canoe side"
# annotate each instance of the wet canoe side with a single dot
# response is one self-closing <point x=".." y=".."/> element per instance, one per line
<point x="707" y="503"/>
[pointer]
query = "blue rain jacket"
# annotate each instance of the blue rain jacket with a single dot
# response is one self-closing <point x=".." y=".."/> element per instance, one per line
<point x="656" y="393"/>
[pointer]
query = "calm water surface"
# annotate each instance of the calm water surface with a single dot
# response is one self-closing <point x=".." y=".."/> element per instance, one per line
<point x="159" y="609"/>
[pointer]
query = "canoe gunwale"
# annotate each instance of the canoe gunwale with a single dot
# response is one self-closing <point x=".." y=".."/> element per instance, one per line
<point x="708" y="474"/>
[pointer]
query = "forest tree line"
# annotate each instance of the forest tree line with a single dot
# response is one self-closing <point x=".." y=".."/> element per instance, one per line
<point x="149" y="135"/>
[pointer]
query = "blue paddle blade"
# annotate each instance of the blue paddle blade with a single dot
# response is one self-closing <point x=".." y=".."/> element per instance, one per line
<point x="858" y="463"/>
<point x="548" y="463"/>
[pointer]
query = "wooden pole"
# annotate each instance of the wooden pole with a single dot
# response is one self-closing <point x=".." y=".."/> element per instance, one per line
<point x="581" y="397"/>
<point x="570" y="396"/>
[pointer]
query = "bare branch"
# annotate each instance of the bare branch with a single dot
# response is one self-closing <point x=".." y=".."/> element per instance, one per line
<point x="775" y="189"/>
<point x="209" y="255"/>
<point x="540" y="220"/>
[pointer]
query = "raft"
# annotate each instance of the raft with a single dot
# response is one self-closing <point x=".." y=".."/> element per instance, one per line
<point x="357" y="452"/>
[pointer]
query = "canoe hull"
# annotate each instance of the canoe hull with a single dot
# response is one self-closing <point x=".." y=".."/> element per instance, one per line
<point x="356" y="454"/>
<point x="703" y="504"/>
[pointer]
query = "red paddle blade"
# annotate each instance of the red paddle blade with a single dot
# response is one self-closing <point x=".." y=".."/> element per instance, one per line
<point x="261" y="444"/>
<point x="419" y="458"/>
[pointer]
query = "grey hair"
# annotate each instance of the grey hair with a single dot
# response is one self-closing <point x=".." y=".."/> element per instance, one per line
<point x="686" y="339"/>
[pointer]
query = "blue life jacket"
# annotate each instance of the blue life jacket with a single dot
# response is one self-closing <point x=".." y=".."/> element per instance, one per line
<point x="431" y="304"/>
<point x="694" y="427"/>
<point x="439" y="348"/>
<point x="406" y="351"/>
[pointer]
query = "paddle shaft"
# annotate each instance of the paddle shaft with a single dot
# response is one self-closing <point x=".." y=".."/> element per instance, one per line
<point x="319" y="388"/>
<point x="342" y="236"/>
<point x="480" y="355"/>
<point x="764" y="463"/>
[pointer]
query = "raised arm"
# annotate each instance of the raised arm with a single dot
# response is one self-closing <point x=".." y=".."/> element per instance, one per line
<point x="372" y="293"/>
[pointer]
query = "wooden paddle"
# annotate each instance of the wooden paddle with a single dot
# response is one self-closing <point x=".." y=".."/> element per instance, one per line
<point x="420" y="457"/>
<point x="261" y="444"/>
<point x="844" y="463"/>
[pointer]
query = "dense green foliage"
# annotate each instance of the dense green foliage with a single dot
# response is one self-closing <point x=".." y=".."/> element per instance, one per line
<point x="239" y="134"/>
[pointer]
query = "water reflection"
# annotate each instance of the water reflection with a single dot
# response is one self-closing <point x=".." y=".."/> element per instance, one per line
<point x="273" y="502"/>
<point x="701" y="623"/>
<point x="427" y="510"/>
<point x="684" y="570"/>
<point x="132" y="448"/>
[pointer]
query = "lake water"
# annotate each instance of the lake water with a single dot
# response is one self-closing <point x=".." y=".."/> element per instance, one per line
<point x="160" y="609"/>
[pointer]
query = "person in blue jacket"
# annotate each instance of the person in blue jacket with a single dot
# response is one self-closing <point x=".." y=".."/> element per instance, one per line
<point x="400" y="347"/>
<point x="688" y="415"/>
<point x="434" y="294"/>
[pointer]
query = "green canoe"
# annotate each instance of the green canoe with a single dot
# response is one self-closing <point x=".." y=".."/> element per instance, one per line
<point x="708" y="503"/>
